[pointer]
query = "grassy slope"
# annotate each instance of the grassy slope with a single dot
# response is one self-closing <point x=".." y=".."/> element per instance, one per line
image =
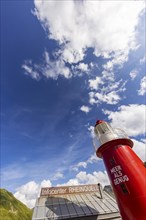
<point x="11" y="208"/>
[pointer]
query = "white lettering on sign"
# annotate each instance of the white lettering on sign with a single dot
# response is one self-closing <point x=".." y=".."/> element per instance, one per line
<point x="48" y="191"/>
<point x="118" y="175"/>
<point x="121" y="179"/>
<point x="80" y="189"/>
<point x="117" y="168"/>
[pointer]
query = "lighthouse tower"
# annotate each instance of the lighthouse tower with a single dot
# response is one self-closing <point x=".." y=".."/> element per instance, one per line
<point x="126" y="171"/>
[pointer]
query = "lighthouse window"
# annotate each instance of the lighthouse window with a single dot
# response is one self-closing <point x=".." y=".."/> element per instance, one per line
<point x="124" y="188"/>
<point x="112" y="162"/>
<point x="104" y="128"/>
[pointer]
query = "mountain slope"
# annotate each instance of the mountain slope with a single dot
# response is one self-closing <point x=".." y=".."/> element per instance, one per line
<point x="11" y="208"/>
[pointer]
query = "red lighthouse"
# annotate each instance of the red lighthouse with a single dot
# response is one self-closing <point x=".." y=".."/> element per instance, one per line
<point x="126" y="171"/>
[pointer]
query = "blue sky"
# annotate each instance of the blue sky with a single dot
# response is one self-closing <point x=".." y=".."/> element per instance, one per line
<point x="63" y="66"/>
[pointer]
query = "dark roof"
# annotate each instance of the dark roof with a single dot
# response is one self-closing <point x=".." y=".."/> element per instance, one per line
<point x="109" y="190"/>
<point x="79" y="205"/>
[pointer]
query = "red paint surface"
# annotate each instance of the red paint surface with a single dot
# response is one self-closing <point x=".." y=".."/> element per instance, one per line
<point x="99" y="122"/>
<point x="128" y="178"/>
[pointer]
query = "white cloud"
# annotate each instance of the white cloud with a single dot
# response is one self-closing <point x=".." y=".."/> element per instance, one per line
<point x="140" y="149"/>
<point x="82" y="164"/>
<point x="79" y="165"/>
<point x="108" y="75"/>
<point x="85" y="109"/>
<point x="118" y="59"/>
<point x="92" y="99"/>
<point x="111" y="98"/>
<point x="91" y="129"/>
<point x="28" y="192"/>
<point x="130" y="118"/>
<point x="57" y="176"/>
<point x="71" y="182"/>
<point x="94" y="178"/>
<point x="133" y="74"/>
<point x="29" y="70"/>
<point x="89" y="178"/>
<point x="94" y="83"/>
<point x="46" y="183"/>
<point x="110" y="90"/>
<point x="54" y="68"/>
<point x="117" y="87"/>
<point x="83" y="29"/>
<point x="92" y="159"/>
<point x="143" y="60"/>
<point x="47" y="69"/>
<point x="79" y="25"/>
<point x="82" y="67"/>
<point x="71" y="55"/>
<point x="142" y="89"/>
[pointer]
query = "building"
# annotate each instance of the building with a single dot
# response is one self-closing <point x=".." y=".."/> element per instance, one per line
<point x="83" y="202"/>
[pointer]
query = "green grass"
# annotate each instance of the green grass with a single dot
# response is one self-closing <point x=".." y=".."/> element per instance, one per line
<point x="11" y="208"/>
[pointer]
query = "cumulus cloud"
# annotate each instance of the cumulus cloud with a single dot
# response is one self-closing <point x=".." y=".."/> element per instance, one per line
<point x="30" y="70"/>
<point x="85" y="109"/>
<point x="142" y="89"/>
<point x="108" y="92"/>
<point x="111" y="98"/>
<point x="94" y="83"/>
<point x="91" y="130"/>
<point x="83" y="27"/>
<point x="143" y="59"/>
<point x="89" y="178"/>
<point x="82" y="67"/>
<point x="94" y="178"/>
<point x="79" y="165"/>
<point x="140" y="149"/>
<point x="130" y="118"/>
<point x="133" y="74"/>
<point x="117" y="60"/>
<point x="48" y="68"/>
<point x="71" y="182"/>
<point x="57" y="176"/>
<point x="28" y="192"/>
<point x="92" y="99"/>
<point x="92" y="159"/>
